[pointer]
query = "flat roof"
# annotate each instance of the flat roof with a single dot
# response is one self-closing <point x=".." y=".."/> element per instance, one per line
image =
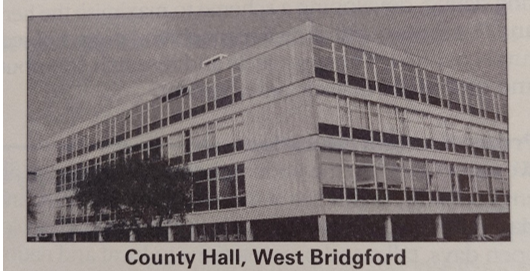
<point x="305" y="29"/>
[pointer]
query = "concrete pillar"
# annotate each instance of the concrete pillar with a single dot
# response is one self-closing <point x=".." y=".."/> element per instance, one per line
<point x="322" y="227"/>
<point x="170" y="234"/>
<point x="388" y="228"/>
<point x="100" y="237"/>
<point x="37" y="238"/>
<point x="249" y="232"/>
<point x="439" y="228"/>
<point x="192" y="233"/>
<point x="132" y="236"/>
<point x="480" y="226"/>
<point x="75" y="237"/>
<point x="54" y="238"/>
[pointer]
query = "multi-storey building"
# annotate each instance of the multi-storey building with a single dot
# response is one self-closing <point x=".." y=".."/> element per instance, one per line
<point x="310" y="135"/>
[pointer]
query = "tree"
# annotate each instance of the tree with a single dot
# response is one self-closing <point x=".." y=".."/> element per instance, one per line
<point x="140" y="192"/>
<point x="31" y="208"/>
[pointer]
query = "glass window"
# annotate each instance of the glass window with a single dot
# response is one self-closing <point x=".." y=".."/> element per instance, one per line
<point x="384" y="71"/>
<point x="453" y="94"/>
<point x="409" y="77"/>
<point x="331" y="167"/>
<point x="359" y="114"/>
<point x="419" y="175"/>
<point x="198" y="140"/>
<point x="441" y="178"/>
<point x="197" y="93"/>
<point x="393" y="166"/>
<point x="175" y="145"/>
<point x="415" y="124"/>
<point x="364" y="170"/>
<point x="224" y="133"/>
<point x="355" y="67"/>
<point x="437" y="125"/>
<point x="389" y="119"/>
<point x="327" y="114"/>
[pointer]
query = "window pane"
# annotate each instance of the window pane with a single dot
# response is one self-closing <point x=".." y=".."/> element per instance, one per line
<point x="331" y="174"/>
<point x="323" y="59"/>
<point x="359" y="114"/>
<point x="227" y="187"/>
<point x="388" y="119"/>
<point x="364" y="175"/>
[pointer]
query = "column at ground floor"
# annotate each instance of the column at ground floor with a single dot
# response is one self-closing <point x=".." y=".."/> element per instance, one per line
<point x="414" y="227"/>
<point x="426" y="227"/>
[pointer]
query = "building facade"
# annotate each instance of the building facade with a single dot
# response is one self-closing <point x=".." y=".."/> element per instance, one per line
<point x="310" y="135"/>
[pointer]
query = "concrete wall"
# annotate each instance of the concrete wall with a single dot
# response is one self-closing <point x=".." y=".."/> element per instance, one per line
<point x="282" y="66"/>
<point x="279" y="121"/>
<point x="282" y="178"/>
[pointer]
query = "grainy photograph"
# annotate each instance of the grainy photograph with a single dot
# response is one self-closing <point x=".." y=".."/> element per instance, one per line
<point x="346" y="125"/>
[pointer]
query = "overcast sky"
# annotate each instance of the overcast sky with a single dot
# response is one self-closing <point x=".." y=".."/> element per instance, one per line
<point x="80" y="66"/>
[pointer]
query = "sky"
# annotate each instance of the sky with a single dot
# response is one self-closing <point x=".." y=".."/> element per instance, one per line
<point x="81" y="66"/>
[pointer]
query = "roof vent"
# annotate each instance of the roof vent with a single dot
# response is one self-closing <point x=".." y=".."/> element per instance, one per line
<point x="213" y="59"/>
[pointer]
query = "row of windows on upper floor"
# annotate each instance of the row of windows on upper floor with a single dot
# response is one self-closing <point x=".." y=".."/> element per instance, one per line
<point x="362" y="120"/>
<point x="215" y="91"/>
<point x="346" y="65"/>
<point x="212" y="189"/>
<point x="208" y="140"/>
<point x="352" y="175"/>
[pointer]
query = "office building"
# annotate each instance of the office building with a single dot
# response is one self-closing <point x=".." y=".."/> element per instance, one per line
<point x="310" y="135"/>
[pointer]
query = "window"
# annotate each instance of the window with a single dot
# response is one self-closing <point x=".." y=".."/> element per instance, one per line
<point x="360" y="119"/>
<point x="370" y="71"/>
<point x="176" y="148"/>
<point x="356" y="74"/>
<point x="439" y="133"/>
<point x="419" y="179"/>
<point x="199" y="143"/>
<point x="453" y="93"/>
<point x="483" y="184"/>
<point x="472" y="102"/>
<point x="384" y="75"/>
<point x="441" y="181"/>
<point x="433" y="88"/>
<point x="374" y="121"/>
<point x="155" y="114"/>
<point x="463" y="182"/>
<point x="410" y="82"/>
<point x="175" y="108"/>
<point x="503" y="102"/>
<point x="225" y="136"/>
<point x="339" y="64"/>
<point x="477" y="138"/>
<point x="394" y="179"/>
<point x="136" y="121"/>
<point x="344" y="118"/>
<point x="499" y="182"/>
<point x="323" y="59"/>
<point x="390" y="132"/>
<point x="224" y="88"/>
<point x="457" y="131"/>
<point x="219" y="188"/>
<point x="198" y="97"/>
<point x="415" y="129"/>
<point x="331" y="174"/>
<point x="328" y="115"/>
<point x="365" y="177"/>
<point x="489" y="105"/>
